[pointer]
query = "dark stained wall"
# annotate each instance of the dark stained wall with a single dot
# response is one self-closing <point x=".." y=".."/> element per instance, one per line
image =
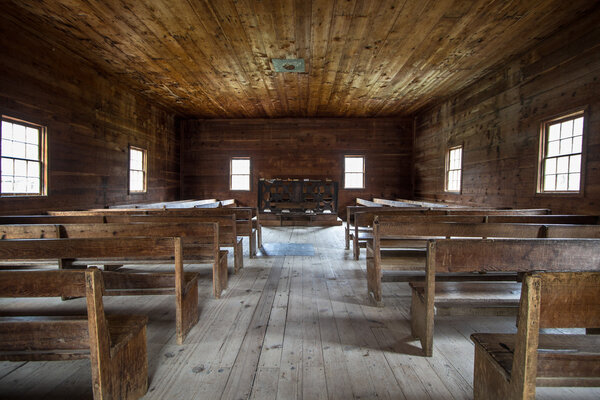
<point x="297" y="148"/>
<point x="498" y="122"/>
<point x="91" y="121"/>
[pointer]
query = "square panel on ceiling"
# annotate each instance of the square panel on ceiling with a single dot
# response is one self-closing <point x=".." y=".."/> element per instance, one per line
<point x="288" y="64"/>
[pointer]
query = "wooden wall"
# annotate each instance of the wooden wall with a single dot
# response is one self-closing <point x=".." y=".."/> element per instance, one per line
<point x="91" y="121"/>
<point x="498" y="122"/>
<point x="297" y="148"/>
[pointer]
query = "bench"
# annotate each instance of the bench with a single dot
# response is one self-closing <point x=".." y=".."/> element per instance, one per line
<point x="228" y="229"/>
<point x="510" y="366"/>
<point x="115" y="345"/>
<point x="496" y="256"/>
<point x="200" y="242"/>
<point x="391" y="234"/>
<point x="89" y="251"/>
<point x="167" y="204"/>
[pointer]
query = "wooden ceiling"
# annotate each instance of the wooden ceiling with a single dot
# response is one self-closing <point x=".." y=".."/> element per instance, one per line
<point x="212" y="59"/>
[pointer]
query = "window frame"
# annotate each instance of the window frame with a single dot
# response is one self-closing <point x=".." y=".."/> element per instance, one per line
<point x="447" y="169"/>
<point x="249" y="174"/>
<point x="542" y="137"/>
<point x="144" y="169"/>
<point x="364" y="171"/>
<point x="42" y="156"/>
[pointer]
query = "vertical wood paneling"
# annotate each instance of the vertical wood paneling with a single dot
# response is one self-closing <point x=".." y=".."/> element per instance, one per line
<point x="498" y="121"/>
<point x="297" y="148"/>
<point x="91" y="121"/>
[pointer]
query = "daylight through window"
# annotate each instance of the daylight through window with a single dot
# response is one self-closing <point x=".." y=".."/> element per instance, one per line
<point x="137" y="170"/>
<point x="240" y="174"/>
<point x="22" y="163"/>
<point x="562" y="152"/>
<point x="454" y="169"/>
<point x="354" y="172"/>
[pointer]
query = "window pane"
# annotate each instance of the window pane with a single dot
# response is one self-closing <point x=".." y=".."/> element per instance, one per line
<point x="574" y="181"/>
<point x="19" y="149"/>
<point x="7" y="184"/>
<point x="33" y="169"/>
<point x="578" y="127"/>
<point x="550" y="182"/>
<point x="554" y="132"/>
<point x="136" y="181"/>
<point x="20" y="184"/>
<point x="553" y="149"/>
<point x="7" y="130"/>
<point x="565" y="146"/>
<point x="575" y="163"/>
<point x="7" y="148"/>
<point x="561" y="182"/>
<point x="354" y="164"/>
<point x="562" y="165"/>
<point x="7" y="166"/>
<point x="20" y="168"/>
<point x="566" y="129"/>
<point x="19" y="133"/>
<point x="32" y="136"/>
<point x="353" y="180"/>
<point x="31" y="152"/>
<point x="577" y="144"/>
<point x="550" y="167"/>
<point x="240" y="182"/>
<point x="33" y="185"/>
<point x="240" y="167"/>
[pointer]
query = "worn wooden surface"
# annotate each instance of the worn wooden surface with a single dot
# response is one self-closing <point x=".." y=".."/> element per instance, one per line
<point x="310" y="148"/>
<point x="510" y="366"/>
<point x="116" y="347"/>
<point x="287" y="328"/>
<point x="497" y="120"/>
<point x="91" y="120"/>
<point x="213" y="59"/>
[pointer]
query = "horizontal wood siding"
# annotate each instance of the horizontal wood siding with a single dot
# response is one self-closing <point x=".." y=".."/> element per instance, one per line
<point x="91" y="121"/>
<point x="498" y="121"/>
<point x="297" y="148"/>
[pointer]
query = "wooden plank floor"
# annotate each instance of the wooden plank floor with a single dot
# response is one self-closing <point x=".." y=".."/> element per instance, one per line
<point x="288" y="327"/>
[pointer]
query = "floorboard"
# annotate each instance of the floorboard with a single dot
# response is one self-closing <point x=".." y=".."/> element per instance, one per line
<point x="288" y="327"/>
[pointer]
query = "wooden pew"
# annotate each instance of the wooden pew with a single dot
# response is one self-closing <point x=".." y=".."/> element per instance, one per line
<point x="243" y="215"/>
<point x="200" y="241"/>
<point x="363" y="221"/>
<point x="89" y="251"/>
<point x="368" y="203"/>
<point x="510" y="366"/>
<point x="392" y="234"/>
<point x="168" y="204"/>
<point x="115" y="345"/>
<point x="411" y="203"/>
<point x="497" y="256"/>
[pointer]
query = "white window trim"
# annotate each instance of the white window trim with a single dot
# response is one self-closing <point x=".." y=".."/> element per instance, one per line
<point x="447" y="169"/>
<point x="42" y="157"/>
<point x="144" y="169"/>
<point x="573" y="114"/>
<point x="249" y="174"/>
<point x="364" y="171"/>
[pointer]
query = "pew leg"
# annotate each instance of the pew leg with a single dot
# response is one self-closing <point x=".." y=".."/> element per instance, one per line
<point x="347" y="237"/>
<point x="187" y="311"/>
<point x="421" y="323"/>
<point x="125" y="374"/>
<point x="238" y="257"/>
<point x="253" y="239"/>
<point x="220" y="274"/>
<point x="489" y="382"/>
<point x="374" y="282"/>
<point x="259" y="235"/>
<point x="355" y="248"/>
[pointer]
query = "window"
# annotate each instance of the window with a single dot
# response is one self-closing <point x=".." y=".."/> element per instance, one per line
<point x="354" y="172"/>
<point x="137" y="170"/>
<point x="23" y="153"/>
<point x="561" y="154"/>
<point x="454" y="169"/>
<point x="239" y="178"/>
